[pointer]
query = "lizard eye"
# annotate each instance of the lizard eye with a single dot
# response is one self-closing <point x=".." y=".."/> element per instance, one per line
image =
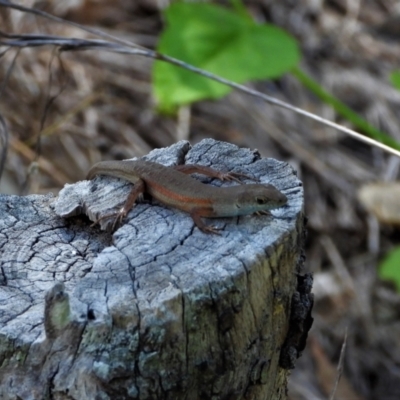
<point x="261" y="200"/>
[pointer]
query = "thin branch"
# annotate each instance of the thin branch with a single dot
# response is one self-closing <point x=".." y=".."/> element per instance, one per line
<point x="339" y="367"/>
<point x="93" y="31"/>
<point x="68" y="44"/>
<point x="49" y="100"/>
<point x="4" y="136"/>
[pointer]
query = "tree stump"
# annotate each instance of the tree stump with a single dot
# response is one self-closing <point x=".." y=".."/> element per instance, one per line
<point x="157" y="310"/>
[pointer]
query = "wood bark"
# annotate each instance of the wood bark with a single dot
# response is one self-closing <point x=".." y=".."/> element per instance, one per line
<point x="157" y="309"/>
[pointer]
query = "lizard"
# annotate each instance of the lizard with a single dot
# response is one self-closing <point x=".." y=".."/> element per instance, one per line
<point x="173" y="187"/>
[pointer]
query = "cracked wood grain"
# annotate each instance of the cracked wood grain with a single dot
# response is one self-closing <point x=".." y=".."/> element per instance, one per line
<point x="157" y="310"/>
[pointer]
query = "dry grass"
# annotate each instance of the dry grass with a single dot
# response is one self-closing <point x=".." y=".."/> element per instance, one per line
<point x="104" y="110"/>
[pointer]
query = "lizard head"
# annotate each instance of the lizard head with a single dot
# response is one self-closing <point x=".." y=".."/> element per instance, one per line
<point x="256" y="197"/>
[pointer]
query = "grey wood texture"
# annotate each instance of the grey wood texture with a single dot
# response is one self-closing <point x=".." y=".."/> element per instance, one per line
<point x="157" y="310"/>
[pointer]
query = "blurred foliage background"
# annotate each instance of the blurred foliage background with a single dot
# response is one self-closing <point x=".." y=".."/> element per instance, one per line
<point x="64" y="113"/>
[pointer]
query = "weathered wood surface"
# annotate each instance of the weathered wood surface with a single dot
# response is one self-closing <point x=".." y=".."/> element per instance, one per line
<point x="158" y="310"/>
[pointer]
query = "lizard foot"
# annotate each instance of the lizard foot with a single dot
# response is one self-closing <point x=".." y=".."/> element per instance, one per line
<point x="119" y="216"/>
<point x="234" y="176"/>
<point x="262" y="212"/>
<point x="211" y="229"/>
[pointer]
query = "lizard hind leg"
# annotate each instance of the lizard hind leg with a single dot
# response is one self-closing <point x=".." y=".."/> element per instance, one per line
<point x="136" y="192"/>
<point x="212" y="173"/>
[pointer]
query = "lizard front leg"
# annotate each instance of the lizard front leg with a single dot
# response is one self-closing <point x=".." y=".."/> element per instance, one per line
<point x="196" y="217"/>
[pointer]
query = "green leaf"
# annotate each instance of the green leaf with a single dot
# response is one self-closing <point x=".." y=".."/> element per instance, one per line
<point x="240" y="9"/>
<point x="219" y="41"/>
<point x="389" y="268"/>
<point x="395" y="79"/>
